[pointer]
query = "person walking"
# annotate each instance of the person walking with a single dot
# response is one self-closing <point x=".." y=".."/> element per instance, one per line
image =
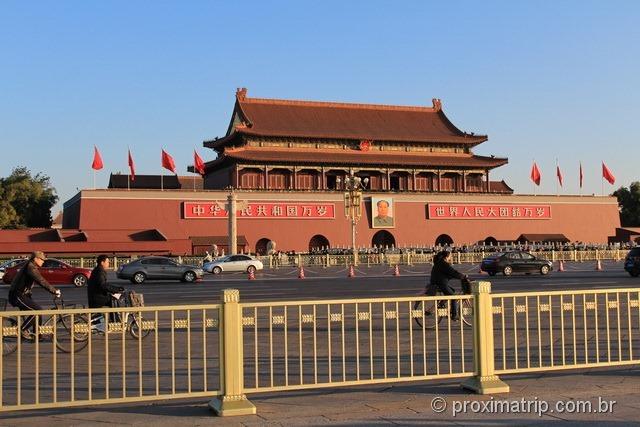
<point x="21" y="290"/>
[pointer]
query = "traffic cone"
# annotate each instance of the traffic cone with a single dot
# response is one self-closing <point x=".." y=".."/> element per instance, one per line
<point x="396" y="271"/>
<point x="301" y="273"/>
<point x="352" y="272"/>
<point x="560" y="265"/>
<point x="252" y="275"/>
<point x="598" y="266"/>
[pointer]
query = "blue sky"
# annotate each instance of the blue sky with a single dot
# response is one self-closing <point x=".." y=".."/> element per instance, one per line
<point x="543" y="79"/>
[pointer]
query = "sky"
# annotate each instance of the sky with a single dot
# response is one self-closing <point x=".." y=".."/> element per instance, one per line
<point x="545" y="80"/>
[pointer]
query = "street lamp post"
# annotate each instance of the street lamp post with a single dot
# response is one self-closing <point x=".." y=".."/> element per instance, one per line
<point x="353" y="206"/>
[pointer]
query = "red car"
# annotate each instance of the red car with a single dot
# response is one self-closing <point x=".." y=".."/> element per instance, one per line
<point x="55" y="272"/>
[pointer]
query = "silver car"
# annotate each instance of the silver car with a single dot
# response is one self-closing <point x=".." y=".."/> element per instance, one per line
<point x="158" y="268"/>
<point x="231" y="263"/>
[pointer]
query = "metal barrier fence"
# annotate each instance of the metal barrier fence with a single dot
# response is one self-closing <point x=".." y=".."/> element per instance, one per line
<point x="313" y="344"/>
<point x="543" y="331"/>
<point x="142" y="354"/>
<point x="174" y="352"/>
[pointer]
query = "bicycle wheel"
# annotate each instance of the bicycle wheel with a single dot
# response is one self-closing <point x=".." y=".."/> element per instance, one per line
<point x="9" y="335"/>
<point x="63" y="332"/>
<point x="466" y="311"/>
<point x="134" y="326"/>
<point x="426" y="310"/>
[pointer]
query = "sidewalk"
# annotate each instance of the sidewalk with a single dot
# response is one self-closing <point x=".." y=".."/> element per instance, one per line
<point x="397" y="404"/>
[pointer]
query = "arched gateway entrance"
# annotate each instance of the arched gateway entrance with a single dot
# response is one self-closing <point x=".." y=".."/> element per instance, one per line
<point x="318" y="242"/>
<point x="383" y="239"/>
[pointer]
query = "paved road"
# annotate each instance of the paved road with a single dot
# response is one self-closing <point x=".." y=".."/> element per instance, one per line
<point x="376" y="281"/>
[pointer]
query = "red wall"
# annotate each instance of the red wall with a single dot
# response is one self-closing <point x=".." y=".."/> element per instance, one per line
<point x="586" y="219"/>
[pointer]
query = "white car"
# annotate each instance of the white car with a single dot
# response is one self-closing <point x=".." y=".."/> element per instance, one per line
<point x="231" y="263"/>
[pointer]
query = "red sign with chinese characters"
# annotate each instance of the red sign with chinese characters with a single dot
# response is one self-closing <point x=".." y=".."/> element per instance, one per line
<point x="477" y="211"/>
<point x="208" y="210"/>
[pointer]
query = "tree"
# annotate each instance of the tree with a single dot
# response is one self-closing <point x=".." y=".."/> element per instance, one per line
<point x="26" y="200"/>
<point x="629" y="203"/>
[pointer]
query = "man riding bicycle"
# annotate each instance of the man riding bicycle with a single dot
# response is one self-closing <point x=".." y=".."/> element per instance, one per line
<point x="21" y="287"/>
<point x="441" y="273"/>
<point x="99" y="291"/>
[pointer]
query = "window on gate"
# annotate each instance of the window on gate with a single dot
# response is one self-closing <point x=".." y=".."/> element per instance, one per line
<point x="251" y="179"/>
<point x="305" y="181"/>
<point x="277" y="181"/>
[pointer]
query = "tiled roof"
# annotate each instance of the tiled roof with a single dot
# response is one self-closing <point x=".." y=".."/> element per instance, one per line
<point x="347" y="157"/>
<point x="499" y="187"/>
<point x="308" y="119"/>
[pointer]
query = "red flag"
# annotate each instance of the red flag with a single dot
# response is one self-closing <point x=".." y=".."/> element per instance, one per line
<point x="97" y="159"/>
<point x="198" y="164"/>
<point x="132" y="167"/>
<point x="606" y="174"/>
<point x="535" y="174"/>
<point x="167" y="162"/>
<point x="559" y="174"/>
<point x="581" y="175"/>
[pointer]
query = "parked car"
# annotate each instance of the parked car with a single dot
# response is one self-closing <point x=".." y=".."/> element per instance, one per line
<point x="55" y="272"/>
<point x="8" y="264"/>
<point x="511" y="262"/>
<point x="158" y="268"/>
<point x="632" y="262"/>
<point x="233" y="263"/>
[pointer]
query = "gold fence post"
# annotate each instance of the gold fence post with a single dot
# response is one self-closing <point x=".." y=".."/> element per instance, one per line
<point x="232" y="401"/>
<point x="485" y="380"/>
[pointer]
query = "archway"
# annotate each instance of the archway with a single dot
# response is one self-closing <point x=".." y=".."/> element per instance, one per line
<point x="491" y="241"/>
<point x="261" y="246"/>
<point x="383" y="239"/>
<point x="318" y="242"/>
<point x="444" y="240"/>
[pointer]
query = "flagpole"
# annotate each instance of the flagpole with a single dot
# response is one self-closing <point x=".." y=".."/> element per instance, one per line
<point x="534" y="183"/>
<point x="557" y="178"/>
<point x="94" y="179"/>
<point x="161" y="181"/>
<point x="129" y="174"/>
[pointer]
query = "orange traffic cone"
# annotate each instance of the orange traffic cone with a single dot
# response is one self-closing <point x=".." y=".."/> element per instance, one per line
<point x="301" y="273"/>
<point x="252" y="275"/>
<point x="598" y="266"/>
<point x="560" y="265"/>
<point x="396" y="271"/>
<point x="352" y="272"/>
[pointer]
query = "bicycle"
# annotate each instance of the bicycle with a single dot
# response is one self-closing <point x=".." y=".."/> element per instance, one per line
<point x="428" y="308"/>
<point x="57" y="327"/>
<point x="131" y="321"/>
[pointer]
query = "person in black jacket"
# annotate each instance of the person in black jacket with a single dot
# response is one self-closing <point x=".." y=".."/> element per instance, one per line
<point x="21" y="288"/>
<point x="441" y="273"/>
<point x="99" y="292"/>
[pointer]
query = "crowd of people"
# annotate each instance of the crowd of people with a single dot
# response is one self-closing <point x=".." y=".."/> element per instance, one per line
<point x="526" y="246"/>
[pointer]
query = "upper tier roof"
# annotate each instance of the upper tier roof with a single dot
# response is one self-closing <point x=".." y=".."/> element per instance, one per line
<point x="333" y="120"/>
<point x="345" y="157"/>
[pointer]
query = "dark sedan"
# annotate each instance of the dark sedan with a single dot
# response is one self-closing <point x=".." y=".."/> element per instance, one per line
<point x="159" y="268"/>
<point x="511" y="262"/>
<point x="632" y="262"/>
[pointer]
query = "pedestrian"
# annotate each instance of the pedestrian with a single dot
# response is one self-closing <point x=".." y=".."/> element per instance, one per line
<point x="99" y="291"/>
<point x="21" y="288"/>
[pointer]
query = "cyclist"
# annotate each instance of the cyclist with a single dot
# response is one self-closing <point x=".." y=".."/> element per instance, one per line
<point x="21" y="287"/>
<point x="441" y="273"/>
<point x="100" y="292"/>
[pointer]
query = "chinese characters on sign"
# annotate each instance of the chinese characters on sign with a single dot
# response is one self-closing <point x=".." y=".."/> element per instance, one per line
<point x="476" y="211"/>
<point x="207" y="210"/>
